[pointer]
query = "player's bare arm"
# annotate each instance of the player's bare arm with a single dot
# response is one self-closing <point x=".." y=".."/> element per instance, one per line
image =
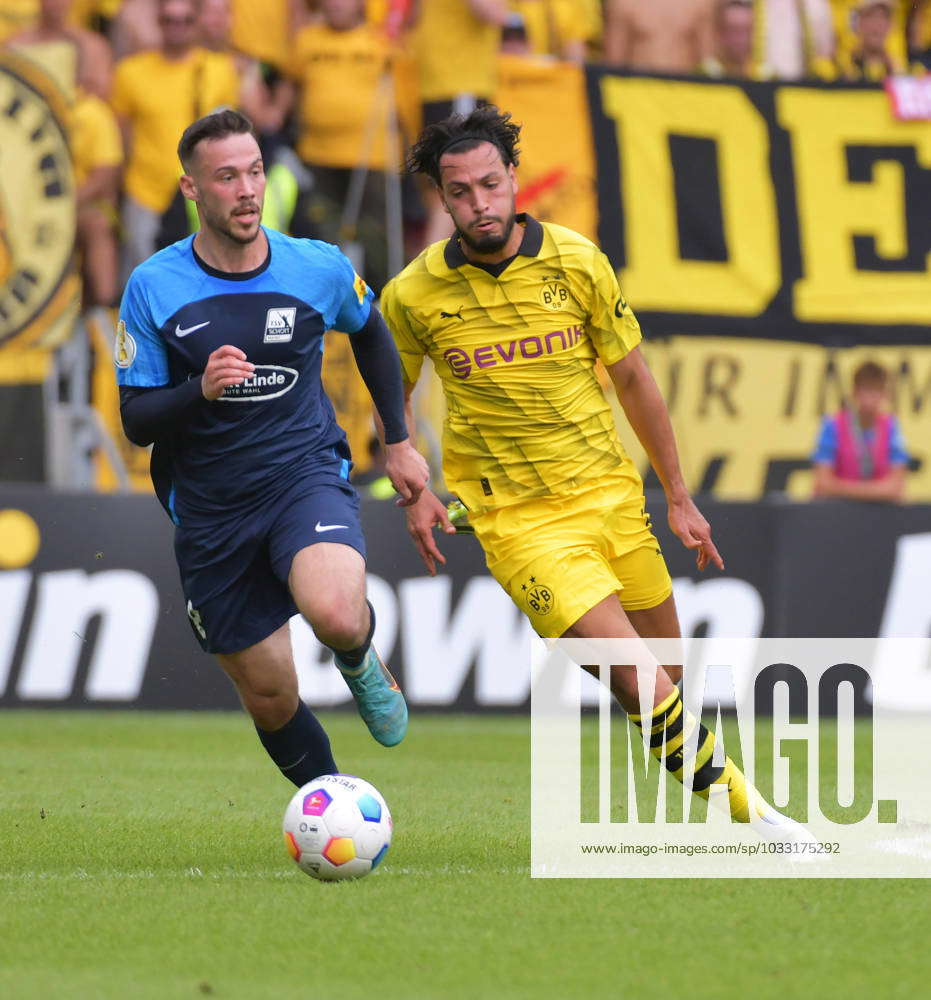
<point x="380" y="368"/>
<point x="407" y="469"/>
<point x="227" y="365"/>
<point x="403" y="463"/>
<point x="393" y="454"/>
<point x="428" y="511"/>
<point x="646" y="411"/>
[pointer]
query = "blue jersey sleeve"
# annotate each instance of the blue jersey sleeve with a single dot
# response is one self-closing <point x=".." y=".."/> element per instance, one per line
<point x="826" y="448"/>
<point x="354" y="301"/>
<point x="139" y="353"/>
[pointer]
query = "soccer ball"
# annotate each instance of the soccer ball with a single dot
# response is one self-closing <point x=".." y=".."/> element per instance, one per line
<point x="337" y="827"/>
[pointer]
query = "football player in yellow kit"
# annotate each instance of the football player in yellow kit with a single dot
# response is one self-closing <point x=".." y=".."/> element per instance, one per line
<point x="515" y="314"/>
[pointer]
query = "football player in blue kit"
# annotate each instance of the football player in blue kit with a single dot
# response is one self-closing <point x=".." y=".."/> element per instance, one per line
<point x="218" y="357"/>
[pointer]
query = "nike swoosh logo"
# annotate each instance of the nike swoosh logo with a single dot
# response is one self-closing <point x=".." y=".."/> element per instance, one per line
<point x="328" y="527"/>
<point x="183" y="332"/>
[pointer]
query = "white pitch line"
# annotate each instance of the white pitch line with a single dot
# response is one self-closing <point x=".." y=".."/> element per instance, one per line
<point x="271" y="874"/>
<point x="189" y="873"/>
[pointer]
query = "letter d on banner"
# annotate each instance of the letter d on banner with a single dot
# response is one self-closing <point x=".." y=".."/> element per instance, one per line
<point x="647" y="113"/>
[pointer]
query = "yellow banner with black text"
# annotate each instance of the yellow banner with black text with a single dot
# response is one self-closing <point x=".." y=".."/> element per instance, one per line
<point x="770" y="237"/>
<point x="747" y="412"/>
<point x="764" y="209"/>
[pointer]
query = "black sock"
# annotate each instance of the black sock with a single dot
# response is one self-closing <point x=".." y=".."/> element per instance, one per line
<point x="353" y="658"/>
<point x="301" y="748"/>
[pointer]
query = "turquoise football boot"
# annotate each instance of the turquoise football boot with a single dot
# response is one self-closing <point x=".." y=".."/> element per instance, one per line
<point x="378" y="698"/>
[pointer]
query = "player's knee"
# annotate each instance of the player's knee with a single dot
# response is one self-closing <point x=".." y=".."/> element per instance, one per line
<point x="269" y="695"/>
<point x="270" y="709"/>
<point x="340" y="626"/>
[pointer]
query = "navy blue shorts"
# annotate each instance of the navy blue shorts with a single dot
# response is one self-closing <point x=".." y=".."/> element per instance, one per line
<point x="234" y="570"/>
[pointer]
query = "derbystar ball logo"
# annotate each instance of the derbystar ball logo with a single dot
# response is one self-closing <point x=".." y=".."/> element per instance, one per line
<point x="316" y="802"/>
<point x="266" y="382"/>
<point x="461" y="362"/>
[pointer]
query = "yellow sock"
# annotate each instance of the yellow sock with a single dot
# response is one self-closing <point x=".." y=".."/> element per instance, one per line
<point x="670" y="726"/>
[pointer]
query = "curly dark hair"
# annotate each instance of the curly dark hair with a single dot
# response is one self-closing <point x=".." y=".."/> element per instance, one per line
<point x="462" y="133"/>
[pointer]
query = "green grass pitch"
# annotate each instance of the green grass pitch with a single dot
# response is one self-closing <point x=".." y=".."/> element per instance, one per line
<point x="141" y="857"/>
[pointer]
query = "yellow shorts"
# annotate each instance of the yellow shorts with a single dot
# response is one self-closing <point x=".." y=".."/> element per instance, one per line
<point x="558" y="556"/>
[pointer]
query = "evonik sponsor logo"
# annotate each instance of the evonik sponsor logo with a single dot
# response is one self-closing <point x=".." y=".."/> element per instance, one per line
<point x="461" y="361"/>
<point x="266" y="382"/>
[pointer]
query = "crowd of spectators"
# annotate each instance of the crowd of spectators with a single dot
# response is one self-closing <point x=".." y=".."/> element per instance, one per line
<point x="325" y="81"/>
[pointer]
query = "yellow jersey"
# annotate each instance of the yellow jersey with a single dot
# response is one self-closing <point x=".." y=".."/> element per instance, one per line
<point x="456" y="52"/>
<point x="160" y="98"/>
<point x="95" y="136"/>
<point x="261" y="30"/>
<point x="339" y="74"/>
<point x="550" y="24"/>
<point x="557" y="153"/>
<point x="516" y="354"/>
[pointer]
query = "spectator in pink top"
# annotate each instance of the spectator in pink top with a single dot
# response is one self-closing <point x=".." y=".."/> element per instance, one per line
<point x="860" y="452"/>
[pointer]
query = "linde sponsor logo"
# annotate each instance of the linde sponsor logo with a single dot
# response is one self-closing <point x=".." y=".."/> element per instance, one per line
<point x="461" y="362"/>
<point x="267" y="382"/>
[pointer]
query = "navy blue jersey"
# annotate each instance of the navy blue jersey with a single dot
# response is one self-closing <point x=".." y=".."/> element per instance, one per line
<point x="277" y="424"/>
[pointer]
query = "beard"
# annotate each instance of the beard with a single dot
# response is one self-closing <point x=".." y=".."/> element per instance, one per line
<point x="489" y="243"/>
<point x="224" y="225"/>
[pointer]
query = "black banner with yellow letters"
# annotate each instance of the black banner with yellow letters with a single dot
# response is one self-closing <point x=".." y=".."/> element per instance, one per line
<point x="786" y="211"/>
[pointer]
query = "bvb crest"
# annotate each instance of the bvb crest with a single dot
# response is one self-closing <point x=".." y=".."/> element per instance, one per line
<point x="38" y="282"/>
